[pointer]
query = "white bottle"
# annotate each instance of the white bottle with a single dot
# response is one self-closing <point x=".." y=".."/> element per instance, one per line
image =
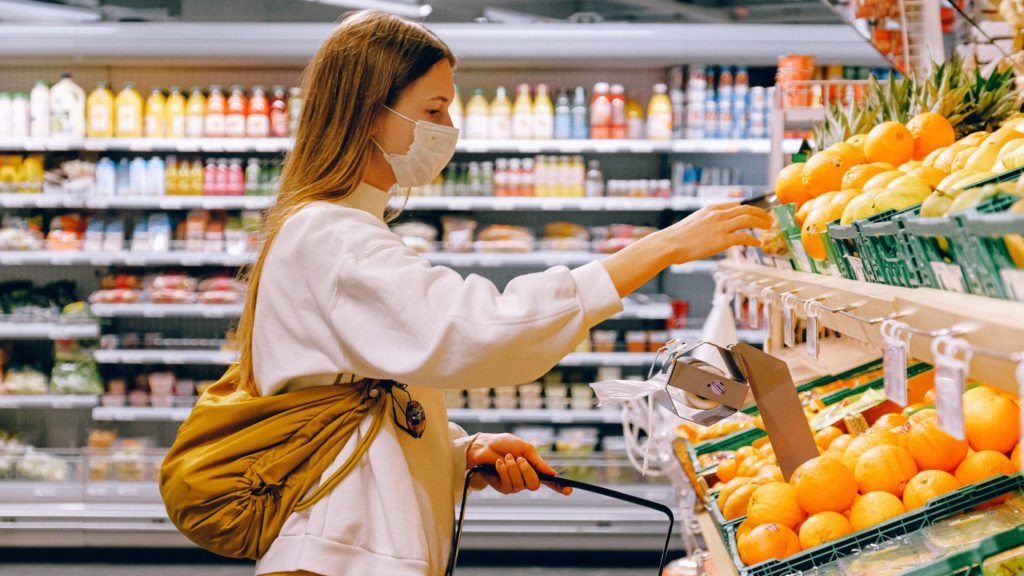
<point x="501" y="116"/>
<point x="156" y="178"/>
<point x="6" y="115"/>
<point x="137" y="177"/>
<point x="106" y="177"/>
<point x="39" y="105"/>
<point x="20" y="116"/>
<point x="67" y="109"/>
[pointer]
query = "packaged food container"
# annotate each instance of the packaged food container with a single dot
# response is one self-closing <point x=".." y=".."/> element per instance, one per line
<point x="576" y="441"/>
<point x="111" y="400"/>
<point x="582" y="397"/>
<point x="530" y="396"/>
<point x="604" y="340"/>
<point x="161" y="383"/>
<point x="636" y="341"/>
<point x="656" y="339"/>
<point x="138" y="398"/>
<point x="556" y="394"/>
<point x="543" y="437"/>
<point x="454" y="399"/>
<point x="505" y="398"/>
<point x="479" y="398"/>
<point x="967" y="529"/>
<point x="185" y="388"/>
<point x="609" y="373"/>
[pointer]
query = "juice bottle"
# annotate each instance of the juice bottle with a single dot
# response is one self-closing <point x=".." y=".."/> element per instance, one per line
<point x="500" y="116"/>
<point x="156" y="176"/>
<point x="39" y="110"/>
<point x="195" y="178"/>
<point x="172" y="176"/>
<point x="20" y="115"/>
<point x="177" y="113"/>
<point x="216" y="106"/>
<point x="67" y="109"/>
<point x="477" y="116"/>
<point x="252" y="176"/>
<point x="543" y="114"/>
<point x="257" y="122"/>
<point x="294" y="110"/>
<point x="580" y="115"/>
<point x="99" y="112"/>
<point x="128" y="105"/>
<point x="156" y="114"/>
<point x="659" y="114"/>
<point x="618" y="98"/>
<point x="563" y="116"/>
<point x="600" y="112"/>
<point x="455" y="110"/>
<point x="235" y="112"/>
<point x="279" y="113"/>
<point x="209" y="177"/>
<point x="235" y="178"/>
<point x="195" y="113"/>
<point x="522" y="113"/>
<point x="634" y="119"/>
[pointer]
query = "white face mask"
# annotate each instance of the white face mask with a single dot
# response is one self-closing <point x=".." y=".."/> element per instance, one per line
<point x="433" y="146"/>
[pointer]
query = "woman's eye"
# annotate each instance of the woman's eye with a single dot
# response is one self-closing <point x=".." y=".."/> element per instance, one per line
<point x="435" y="112"/>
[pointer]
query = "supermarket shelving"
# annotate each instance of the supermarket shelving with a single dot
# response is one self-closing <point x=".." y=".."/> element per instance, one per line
<point x="62" y="401"/>
<point x="170" y="357"/>
<point x="139" y="414"/>
<point x="48" y="331"/>
<point x="462" y="415"/>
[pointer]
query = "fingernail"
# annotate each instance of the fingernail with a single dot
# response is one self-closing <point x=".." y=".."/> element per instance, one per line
<point x="521" y="460"/>
<point x="499" y="462"/>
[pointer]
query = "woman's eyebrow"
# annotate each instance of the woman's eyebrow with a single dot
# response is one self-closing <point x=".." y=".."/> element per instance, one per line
<point x="441" y="98"/>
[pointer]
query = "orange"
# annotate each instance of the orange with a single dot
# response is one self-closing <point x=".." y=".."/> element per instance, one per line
<point x="744" y="451"/>
<point x="857" y="176"/>
<point x="736" y="505"/>
<point x="824" y="172"/>
<point x="852" y="154"/>
<point x="992" y="423"/>
<point x="903" y="436"/>
<point x="927" y="485"/>
<point x="1015" y="457"/>
<point x="823" y="527"/>
<point x="726" y="470"/>
<point x="932" y="448"/>
<point x="865" y="442"/>
<point x="771" y="472"/>
<point x="930" y="132"/>
<point x="760" y="442"/>
<point x="840" y="444"/>
<point x="874" y="508"/>
<point x="923" y="414"/>
<point x="814" y="226"/>
<point x="824" y="484"/>
<point x="978" y="392"/>
<point x="805" y="210"/>
<point x="888" y="421"/>
<point x="789" y="185"/>
<point x="889" y="142"/>
<point x="731" y="486"/>
<point x="766" y="542"/>
<point x="825" y="436"/>
<point x="749" y="466"/>
<point x="775" y="502"/>
<point x="933" y="176"/>
<point x="742" y="530"/>
<point x="885" y="469"/>
<point x="840" y="200"/>
<point x="857" y="140"/>
<point x="982" y="465"/>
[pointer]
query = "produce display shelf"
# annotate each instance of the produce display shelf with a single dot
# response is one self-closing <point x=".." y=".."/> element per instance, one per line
<point x="192" y="357"/>
<point x="698" y="267"/>
<point x="61" y="401"/>
<point x="693" y="334"/>
<point x="48" y="331"/>
<point x="149" y="310"/>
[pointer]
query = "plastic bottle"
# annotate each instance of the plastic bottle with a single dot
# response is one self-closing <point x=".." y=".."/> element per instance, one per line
<point x="580" y="115"/>
<point x="725" y="85"/>
<point x="659" y="114"/>
<point x="106" y="177"/>
<point x="711" y="117"/>
<point x="522" y="114"/>
<point x="195" y="178"/>
<point x="19" y="115"/>
<point x="6" y="115"/>
<point x="579" y="176"/>
<point x="601" y="112"/>
<point x="99" y="112"/>
<point x="563" y="116"/>
<point x="252" y="177"/>
<point x="156" y="177"/>
<point x="195" y="113"/>
<point x="235" y="113"/>
<point x="216" y="107"/>
<point x="209" y="177"/>
<point x="477" y="116"/>
<point x="156" y="114"/>
<point x="220" y="178"/>
<point x="235" y="178"/>
<point x="543" y="114"/>
<point x="526" y="178"/>
<point x="500" y="127"/>
<point x="279" y="113"/>
<point x="455" y="111"/>
<point x="678" y="99"/>
<point x="173" y="176"/>
<point x="618" y="98"/>
<point x="634" y="120"/>
<point x="257" y="122"/>
<point x="177" y="114"/>
<point x="39" y="110"/>
<point x="124" y="185"/>
<point x="487" y="176"/>
<point x="128" y="107"/>
<point x="294" y="110"/>
<point x="67" y="109"/>
<point x="501" y="177"/>
<point x="138" y="177"/>
<point x="594" y="185"/>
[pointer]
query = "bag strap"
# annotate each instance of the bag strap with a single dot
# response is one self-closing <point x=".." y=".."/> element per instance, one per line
<point x="382" y="395"/>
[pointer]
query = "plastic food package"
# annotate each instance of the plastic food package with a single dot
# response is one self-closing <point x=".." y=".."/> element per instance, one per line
<point x="172" y="296"/>
<point x="121" y="281"/>
<point x="458" y="233"/>
<point x="419" y="236"/>
<point x="115" y="297"/>
<point x="576" y="441"/>
<point x="604" y="340"/>
<point x="222" y="284"/>
<point x="67" y="232"/>
<point x="171" y="281"/>
<point x="24" y="381"/>
<point x="1006" y="563"/>
<point x="565" y="237"/>
<point x="505" y="239"/>
<point x="221" y="297"/>
<point x="530" y="396"/>
<point x="41" y="467"/>
<point x="543" y="437"/>
<point x="967" y="529"/>
<point x="890" y="558"/>
<point x="76" y="377"/>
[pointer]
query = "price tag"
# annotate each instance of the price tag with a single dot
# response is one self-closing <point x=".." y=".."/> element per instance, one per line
<point x="63" y="403"/>
<point x="491" y="261"/>
<point x="895" y="350"/>
<point x="787" y="320"/>
<point x="753" y="317"/>
<point x="813" y="348"/>
<point x="10" y="259"/>
<point x="188" y="145"/>
<point x="1013" y="279"/>
<point x="858" y="267"/>
<point x="768" y="309"/>
<point x="949" y="276"/>
<point x="950" y="378"/>
<point x="801" y="257"/>
<point x="503" y="204"/>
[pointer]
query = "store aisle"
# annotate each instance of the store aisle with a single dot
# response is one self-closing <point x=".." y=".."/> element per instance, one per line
<point x="215" y="570"/>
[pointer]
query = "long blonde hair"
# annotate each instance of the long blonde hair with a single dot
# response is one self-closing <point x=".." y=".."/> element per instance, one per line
<point x="367" y="62"/>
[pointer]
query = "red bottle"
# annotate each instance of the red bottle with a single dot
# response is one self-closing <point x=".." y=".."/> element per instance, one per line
<point x="209" y="178"/>
<point x="220" y="178"/>
<point x="619" y="125"/>
<point x="235" y="179"/>
<point x="234" y="116"/>
<point x="257" y="123"/>
<point x="279" y="113"/>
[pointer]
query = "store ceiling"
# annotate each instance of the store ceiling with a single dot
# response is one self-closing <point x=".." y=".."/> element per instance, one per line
<point x="447" y="11"/>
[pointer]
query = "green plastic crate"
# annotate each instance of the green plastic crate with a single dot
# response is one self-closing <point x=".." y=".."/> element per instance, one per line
<point x="886" y="241"/>
<point x="1008" y="176"/>
<point x="839" y="395"/>
<point x="846" y="251"/>
<point x="989" y="260"/>
<point x="938" y="246"/>
<point x="944" y="506"/>
<point x="786" y="215"/>
<point x="968" y="562"/>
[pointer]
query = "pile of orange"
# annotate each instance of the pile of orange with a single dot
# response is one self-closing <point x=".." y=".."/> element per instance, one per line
<point x="898" y="465"/>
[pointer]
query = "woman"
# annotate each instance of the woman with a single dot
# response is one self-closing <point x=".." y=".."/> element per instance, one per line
<point x="336" y="292"/>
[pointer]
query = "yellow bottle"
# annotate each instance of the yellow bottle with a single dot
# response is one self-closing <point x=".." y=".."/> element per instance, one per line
<point x="99" y="112"/>
<point x="634" y="120"/>
<point x="156" y="112"/>
<point x="659" y="114"/>
<point x="174" y="125"/>
<point x="128" y="105"/>
<point x="522" y="114"/>
<point x="543" y="115"/>
<point x="195" y="113"/>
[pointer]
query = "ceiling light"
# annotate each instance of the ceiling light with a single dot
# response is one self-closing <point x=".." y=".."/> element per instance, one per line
<point x="415" y="10"/>
<point x="32" y="11"/>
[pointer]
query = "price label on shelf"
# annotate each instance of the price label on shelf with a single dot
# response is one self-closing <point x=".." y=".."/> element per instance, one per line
<point x="571" y="147"/>
<point x="952" y="359"/>
<point x="788" y="338"/>
<point x="172" y="359"/>
<point x="949" y="276"/>
<point x="641" y="147"/>
<point x="60" y="259"/>
<point x="491" y="261"/>
<point x="11" y="259"/>
<point x="62" y="403"/>
<point x="1013" y="279"/>
<point x="813" y="349"/>
<point x="858" y="267"/>
<point x="488" y="417"/>
<point x="504" y="204"/>
<point x="44" y="492"/>
<point x="895" y="353"/>
<point x="100" y="259"/>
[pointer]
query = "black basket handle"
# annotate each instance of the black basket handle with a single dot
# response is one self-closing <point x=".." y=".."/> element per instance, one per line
<point x="561" y="482"/>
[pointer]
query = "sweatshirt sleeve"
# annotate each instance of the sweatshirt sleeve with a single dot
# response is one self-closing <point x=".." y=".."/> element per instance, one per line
<point x="460" y="446"/>
<point x="399" y="318"/>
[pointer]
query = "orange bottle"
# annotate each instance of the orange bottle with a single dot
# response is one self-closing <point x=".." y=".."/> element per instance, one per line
<point x="257" y="122"/>
<point x="216" y="106"/>
<point x="235" y="113"/>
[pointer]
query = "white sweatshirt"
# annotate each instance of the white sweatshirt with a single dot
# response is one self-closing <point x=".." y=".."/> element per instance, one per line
<point x="341" y="293"/>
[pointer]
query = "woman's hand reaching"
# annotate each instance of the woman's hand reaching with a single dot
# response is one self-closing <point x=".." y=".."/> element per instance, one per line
<point x="516" y="461"/>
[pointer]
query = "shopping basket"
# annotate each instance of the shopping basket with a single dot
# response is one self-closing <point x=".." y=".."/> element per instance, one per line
<point x="561" y="482"/>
